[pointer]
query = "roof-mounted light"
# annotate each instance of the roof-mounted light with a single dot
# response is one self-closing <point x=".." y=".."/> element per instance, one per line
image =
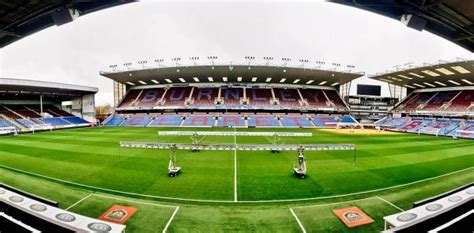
<point x="431" y="73"/>
<point x="444" y="71"/>
<point x="460" y="69"/>
<point x="405" y="77"/>
<point x="416" y="75"/>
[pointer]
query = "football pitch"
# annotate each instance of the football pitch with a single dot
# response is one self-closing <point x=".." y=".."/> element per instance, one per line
<point x="86" y="171"/>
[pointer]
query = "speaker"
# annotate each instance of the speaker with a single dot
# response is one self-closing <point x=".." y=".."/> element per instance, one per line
<point x="62" y="16"/>
<point x="414" y="21"/>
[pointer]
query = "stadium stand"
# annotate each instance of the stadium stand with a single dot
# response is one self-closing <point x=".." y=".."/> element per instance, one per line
<point x="204" y="97"/>
<point x="31" y="105"/>
<point x="167" y="120"/>
<point x="314" y="98"/>
<point x="198" y="121"/>
<point x="137" y="120"/>
<point x="300" y="121"/>
<point x="442" y="106"/>
<point x="433" y="126"/>
<point x="227" y="120"/>
<point x="176" y="96"/>
<point x="28" y="116"/>
<point x="335" y="100"/>
<point x="115" y="120"/>
<point x="324" y="121"/>
<point x="263" y="121"/>
<point x="230" y="96"/>
<point x="259" y="97"/>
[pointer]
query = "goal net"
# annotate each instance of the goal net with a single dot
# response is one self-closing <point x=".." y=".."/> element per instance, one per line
<point x="429" y="130"/>
<point x="41" y="127"/>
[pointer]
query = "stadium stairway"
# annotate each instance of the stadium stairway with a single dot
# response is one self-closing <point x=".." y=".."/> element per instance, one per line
<point x="115" y="120"/>
<point x="12" y="122"/>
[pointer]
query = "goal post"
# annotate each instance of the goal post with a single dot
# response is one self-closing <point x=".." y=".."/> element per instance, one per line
<point x="429" y="130"/>
<point x="41" y="127"/>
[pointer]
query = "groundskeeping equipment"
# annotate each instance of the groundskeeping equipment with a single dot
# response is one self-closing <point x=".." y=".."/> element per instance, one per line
<point x="300" y="168"/>
<point x="173" y="170"/>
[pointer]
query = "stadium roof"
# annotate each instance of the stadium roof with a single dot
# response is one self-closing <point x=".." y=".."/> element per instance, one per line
<point x="21" y="86"/>
<point x="21" y="18"/>
<point x="450" y="19"/>
<point x="452" y="74"/>
<point x="257" y="74"/>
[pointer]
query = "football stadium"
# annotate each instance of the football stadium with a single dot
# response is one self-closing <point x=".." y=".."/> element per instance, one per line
<point x="248" y="146"/>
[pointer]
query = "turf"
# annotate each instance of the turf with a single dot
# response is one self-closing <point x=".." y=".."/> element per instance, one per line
<point x="91" y="157"/>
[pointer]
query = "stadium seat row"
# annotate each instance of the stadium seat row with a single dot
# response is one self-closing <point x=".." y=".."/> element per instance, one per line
<point x="229" y="120"/>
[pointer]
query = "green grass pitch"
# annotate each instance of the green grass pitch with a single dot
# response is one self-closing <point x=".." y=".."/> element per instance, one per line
<point x="69" y="165"/>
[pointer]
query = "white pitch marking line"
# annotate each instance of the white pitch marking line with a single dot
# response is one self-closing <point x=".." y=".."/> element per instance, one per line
<point x="333" y="203"/>
<point x="171" y="219"/>
<point x="380" y="198"/>
<point x="79" y="201"/>
<point x="298" y="220"/>
<point x="134" y="201"/>
<point x="235" y="167"/>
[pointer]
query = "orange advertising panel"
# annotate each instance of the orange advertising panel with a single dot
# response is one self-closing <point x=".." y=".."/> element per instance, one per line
<point x="118" y="214"/>
<point x="353" y="217"/>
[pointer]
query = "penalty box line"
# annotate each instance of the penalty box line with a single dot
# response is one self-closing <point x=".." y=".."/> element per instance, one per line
<point x="298" y="221"/>
<point x="81" y="200"/>
<point x="170" y="220"/>
<point x="390" y="203"/>
<point x="337" y="203"/>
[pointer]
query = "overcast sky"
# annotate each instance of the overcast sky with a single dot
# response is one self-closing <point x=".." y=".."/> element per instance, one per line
<point x="76" y="52"/>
